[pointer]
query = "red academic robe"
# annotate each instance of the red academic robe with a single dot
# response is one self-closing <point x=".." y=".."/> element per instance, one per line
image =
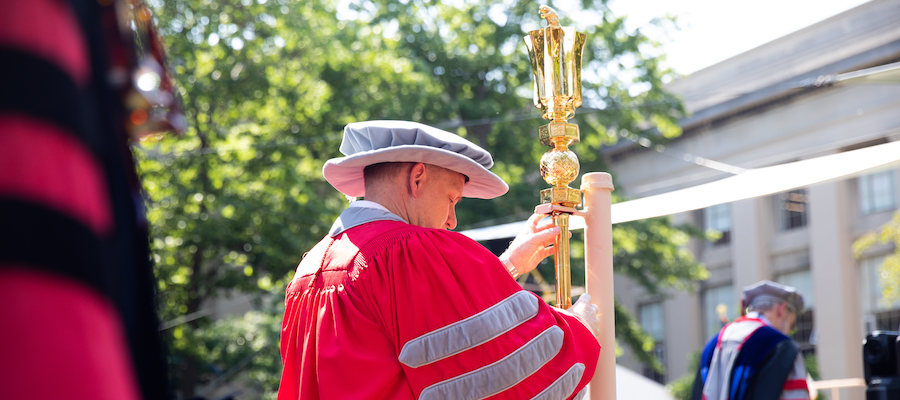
<point x="388" y="310"/>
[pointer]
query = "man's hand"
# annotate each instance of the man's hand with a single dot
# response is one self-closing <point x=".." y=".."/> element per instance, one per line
<point x="534" y="244"/>
<point x="587" y="312"/>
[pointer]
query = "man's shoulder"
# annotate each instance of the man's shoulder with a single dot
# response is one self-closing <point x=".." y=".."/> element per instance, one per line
<point x="379" y="235"/>
<point x="383" y="232"/>
<point x="763" y="341"/>
<point x="770" y="333"/>
<point x="369" y="239"/>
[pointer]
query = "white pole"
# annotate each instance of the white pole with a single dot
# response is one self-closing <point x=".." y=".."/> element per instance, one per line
<point x="598" y="187"/>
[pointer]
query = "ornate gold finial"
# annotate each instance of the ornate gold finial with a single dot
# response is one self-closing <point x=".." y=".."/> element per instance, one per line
<point x="550" y="15"/>
<point x="555" y="54"/>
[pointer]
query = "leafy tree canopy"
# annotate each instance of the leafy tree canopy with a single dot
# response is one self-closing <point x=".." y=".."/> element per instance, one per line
<point x="267" y="86"/>
<point x="889" y="270"/>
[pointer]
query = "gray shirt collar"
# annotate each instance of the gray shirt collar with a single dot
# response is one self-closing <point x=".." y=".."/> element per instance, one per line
<point x="361" y="212"/>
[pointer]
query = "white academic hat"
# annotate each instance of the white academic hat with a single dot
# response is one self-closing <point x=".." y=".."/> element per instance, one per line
<point x="768" y="290"/>
<point x="373" y="142"/>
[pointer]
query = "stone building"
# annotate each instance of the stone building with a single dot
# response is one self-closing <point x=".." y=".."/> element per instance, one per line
<point x="772" y="105"/>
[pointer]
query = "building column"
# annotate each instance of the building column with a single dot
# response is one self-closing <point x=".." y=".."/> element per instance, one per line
<point x="683" y="317"/>
<point x="751" y="231"/>
<point x="684" y="330"/>
<point x="838" y="323"/>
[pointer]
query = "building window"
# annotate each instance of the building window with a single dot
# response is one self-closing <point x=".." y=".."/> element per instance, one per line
<point x="652" y="321"/>
<point x="718" y="218"/>
<point x="719" y="308"/>
<point x="888" y="320"/>
<point x="792" y="207"/>
<point x="803" y="327"/>
<point x="877" y="192"/>
<point x="803" y="332"/>
<point x="879" y="312"/>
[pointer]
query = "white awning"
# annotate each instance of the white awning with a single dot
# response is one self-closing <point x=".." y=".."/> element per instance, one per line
<point x="748" y="184"/>
<point x="632" y="385"/>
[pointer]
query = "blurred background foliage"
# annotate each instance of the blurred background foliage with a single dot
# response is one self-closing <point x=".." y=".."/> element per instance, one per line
<point x="267" y="86"/>
<point x="889" y="270"/>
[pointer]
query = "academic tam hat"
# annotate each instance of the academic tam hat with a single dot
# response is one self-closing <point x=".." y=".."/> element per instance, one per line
<point x="373" y="142"/>
<point x="768" y="290"/>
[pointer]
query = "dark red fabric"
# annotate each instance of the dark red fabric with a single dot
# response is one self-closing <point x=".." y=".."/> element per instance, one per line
<point x="355" y="301"/>
<point x="47" y="166"/>
<point x="47" y="29"/>
<point x="60" y="340"/>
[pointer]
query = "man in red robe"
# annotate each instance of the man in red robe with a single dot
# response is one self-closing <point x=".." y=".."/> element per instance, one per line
<point x="393" y="305"/>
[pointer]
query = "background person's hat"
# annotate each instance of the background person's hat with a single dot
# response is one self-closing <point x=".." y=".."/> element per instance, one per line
<point x="768" y="290"/>
<point x="373" y="142"/>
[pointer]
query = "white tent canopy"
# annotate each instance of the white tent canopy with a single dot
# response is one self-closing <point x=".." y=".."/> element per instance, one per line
<point x="631" y="385"/>
<point x="748" y="184"/>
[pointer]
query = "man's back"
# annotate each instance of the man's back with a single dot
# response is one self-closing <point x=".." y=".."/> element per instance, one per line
<point x="391" y="310"/>
<point x="748" y="359"/>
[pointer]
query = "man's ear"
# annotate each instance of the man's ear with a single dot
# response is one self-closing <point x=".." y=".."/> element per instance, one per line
<point x="417" y="176"/>
<point x="782" y="310"/>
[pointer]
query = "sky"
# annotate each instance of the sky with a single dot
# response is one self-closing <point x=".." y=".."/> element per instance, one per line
<point x="715" y="30"/>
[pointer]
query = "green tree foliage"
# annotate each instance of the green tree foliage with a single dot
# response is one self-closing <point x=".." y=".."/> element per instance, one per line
<point x="229" y="203"/>
<point x="652" y="253"/>
<point x="267" y="86"/>
<point x="228" y="346"/>
<point x="889" y="270"/>
<point x="681" y="388"/>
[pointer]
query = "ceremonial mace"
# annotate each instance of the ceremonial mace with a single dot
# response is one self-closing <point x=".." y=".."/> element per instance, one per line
<point x="555" y="54"/>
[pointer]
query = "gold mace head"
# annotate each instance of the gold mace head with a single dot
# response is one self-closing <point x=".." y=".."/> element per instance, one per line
<point x="555" y="54"/>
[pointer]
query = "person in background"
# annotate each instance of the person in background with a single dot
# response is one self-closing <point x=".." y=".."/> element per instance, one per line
<point x="753" y="358"/>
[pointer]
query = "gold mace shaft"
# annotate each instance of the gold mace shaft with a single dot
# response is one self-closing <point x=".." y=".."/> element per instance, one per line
<point x="561" y="259"/>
